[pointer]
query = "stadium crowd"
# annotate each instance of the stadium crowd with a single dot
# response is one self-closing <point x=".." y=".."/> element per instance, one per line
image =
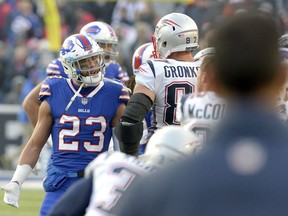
<point x="197" y="72"/>
<point x="25" y="49"/>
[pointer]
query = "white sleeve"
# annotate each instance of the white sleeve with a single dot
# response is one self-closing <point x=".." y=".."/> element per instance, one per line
<point x="116" y="145"/>
<point x="145" y="77"/>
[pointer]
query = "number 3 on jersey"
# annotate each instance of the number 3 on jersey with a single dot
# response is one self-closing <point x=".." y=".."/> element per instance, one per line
<point x="173" y="93"/>
<point x="75" y="129"/>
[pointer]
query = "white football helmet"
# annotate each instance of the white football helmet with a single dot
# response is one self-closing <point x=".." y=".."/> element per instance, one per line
<point x="168" y="145"/>
<point x="283" y="55"/>
<point x="141" y="55"/>
<point x="173" y="33"/>
<point x="82" y="59"/>
<point x="283" y="41"/>
<point x="204" y="52"/>
<point x="105" y="36"/>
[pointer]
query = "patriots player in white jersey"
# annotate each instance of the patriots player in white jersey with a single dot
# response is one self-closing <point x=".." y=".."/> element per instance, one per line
<point x="162" y="80"/>
<point x="107" y="39"/>
<point x="79" y="112"/>
<point x="111" y="174"/>
<point x="201" y="111"/>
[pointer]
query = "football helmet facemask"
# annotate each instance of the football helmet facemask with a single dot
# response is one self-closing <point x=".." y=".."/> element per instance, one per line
<point x="175" y="32"/>
<point x="82" y="59"/>
<point x="105" y="36"/>
<point x="141" y="55"/>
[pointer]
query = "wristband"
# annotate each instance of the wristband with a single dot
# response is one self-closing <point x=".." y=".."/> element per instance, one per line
<point x="21" y="173"/>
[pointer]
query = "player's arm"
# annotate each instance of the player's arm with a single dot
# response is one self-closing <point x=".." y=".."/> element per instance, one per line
<point x="29" y="155"/>
<point x="31" y="104"/>
<point x="130" y="128"/>
<point x="115" y="120"/>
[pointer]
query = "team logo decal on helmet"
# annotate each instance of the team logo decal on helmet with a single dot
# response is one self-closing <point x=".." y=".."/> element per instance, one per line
<point x="67" y="47"/>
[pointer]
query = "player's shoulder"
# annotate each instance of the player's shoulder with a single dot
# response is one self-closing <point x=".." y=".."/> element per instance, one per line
<point x="53" y="79"/>
<point x="117" y="84"/>
<point x="113" y="82"/>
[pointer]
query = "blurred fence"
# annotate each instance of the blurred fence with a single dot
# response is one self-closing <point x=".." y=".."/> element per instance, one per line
<point x="11" y="130"/>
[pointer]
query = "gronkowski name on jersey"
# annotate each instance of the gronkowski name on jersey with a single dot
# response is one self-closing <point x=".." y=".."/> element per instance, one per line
<point x="200" y="112"/>
<point x="113" y="172"/>
<point x="84" y="130"/>
<point x="169" y="80"/>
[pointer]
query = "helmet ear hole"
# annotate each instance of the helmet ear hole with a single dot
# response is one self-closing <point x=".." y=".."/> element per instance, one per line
<point x="164" y="44"/>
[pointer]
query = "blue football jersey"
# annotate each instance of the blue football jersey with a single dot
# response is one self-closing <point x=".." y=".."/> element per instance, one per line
<point x="55" y="67"/>
<point x="115" y="72"/>
<point x="83" y="131"/>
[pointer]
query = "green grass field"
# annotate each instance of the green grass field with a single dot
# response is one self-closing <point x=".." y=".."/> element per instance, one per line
<point x="30" y="202"/>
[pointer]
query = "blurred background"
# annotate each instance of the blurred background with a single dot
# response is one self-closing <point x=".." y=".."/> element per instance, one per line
<point x="32" y="31"/>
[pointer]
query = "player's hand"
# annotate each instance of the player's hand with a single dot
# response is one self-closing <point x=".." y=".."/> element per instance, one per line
<point x="12" y="193"/>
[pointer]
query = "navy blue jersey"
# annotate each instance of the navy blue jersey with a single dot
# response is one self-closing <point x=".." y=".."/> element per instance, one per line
<point x="55" y="67"/>
<point x="115" y="72"/>
<point x="83" y="131"/>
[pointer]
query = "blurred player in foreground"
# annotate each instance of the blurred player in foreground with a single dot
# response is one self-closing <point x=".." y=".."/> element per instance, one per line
<point x="201" y="111"/>
<point x="112" y="173"/>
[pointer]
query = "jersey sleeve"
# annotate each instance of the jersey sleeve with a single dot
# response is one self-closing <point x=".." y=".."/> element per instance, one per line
<point x="45" y="91"/>
<point x="146" y="76"/>
<point x="124" y="95"/>
<point x="55" y="68"/>
<point x="122" y="75"/>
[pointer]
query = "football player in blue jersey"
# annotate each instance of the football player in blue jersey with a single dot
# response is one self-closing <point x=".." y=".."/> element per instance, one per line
<point x="107" y="39"/>
<point x="80" y="113"/>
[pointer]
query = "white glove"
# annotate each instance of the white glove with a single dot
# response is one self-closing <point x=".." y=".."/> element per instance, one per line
<point x="12" y="193"/>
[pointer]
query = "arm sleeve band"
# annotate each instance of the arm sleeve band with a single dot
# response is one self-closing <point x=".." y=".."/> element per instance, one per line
<point x="137" y="107"/>
<point x="130" y="129"/>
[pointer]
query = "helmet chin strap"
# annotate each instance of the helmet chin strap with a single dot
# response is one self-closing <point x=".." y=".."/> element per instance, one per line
<point x="75" y="95"/>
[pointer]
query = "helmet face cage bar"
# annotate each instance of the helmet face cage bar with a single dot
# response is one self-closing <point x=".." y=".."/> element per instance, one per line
<point x="110" y="50"/>
<point x="89" y="68"/>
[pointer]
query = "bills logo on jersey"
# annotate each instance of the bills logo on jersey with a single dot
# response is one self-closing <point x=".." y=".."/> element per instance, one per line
<point x="67" y="47"/>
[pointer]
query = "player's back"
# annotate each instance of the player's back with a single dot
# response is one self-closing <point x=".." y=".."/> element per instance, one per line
<point x="200" y="112"/>
<point x="113" y="172"/>
<point x="169" y="80"/>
